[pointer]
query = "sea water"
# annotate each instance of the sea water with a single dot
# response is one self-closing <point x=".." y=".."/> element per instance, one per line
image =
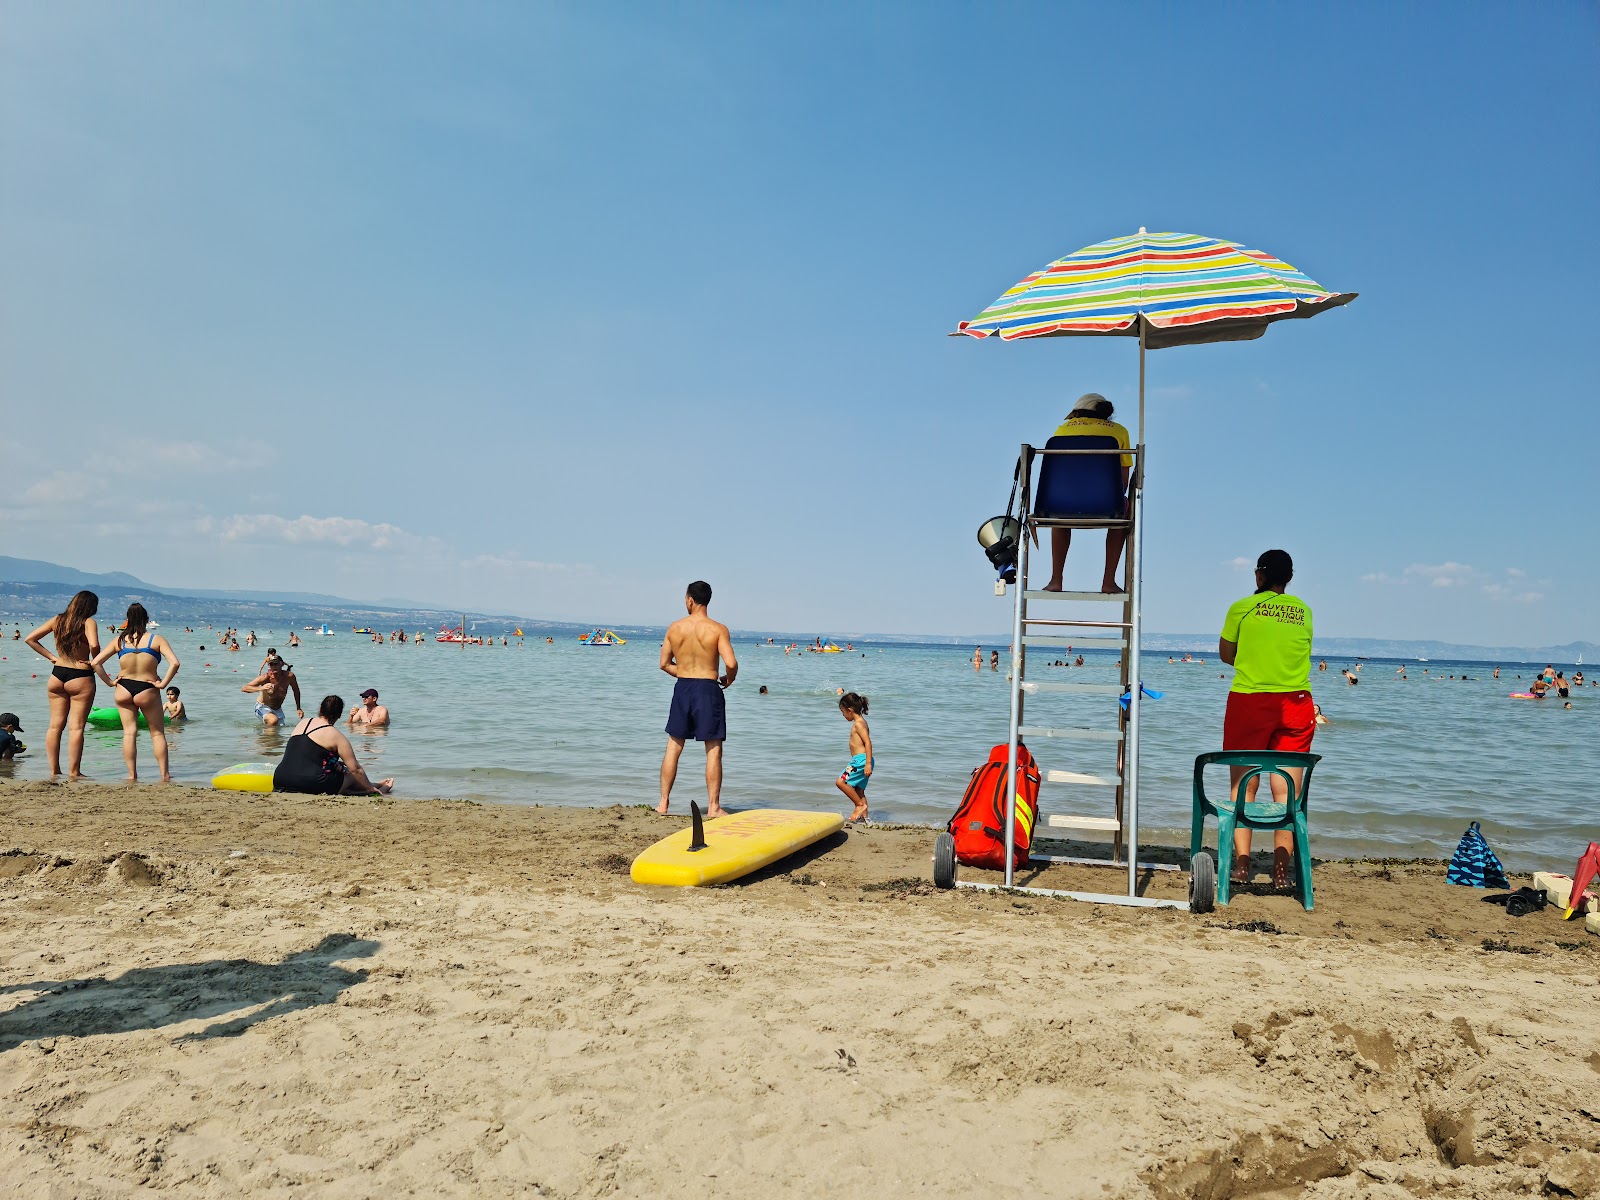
<point x="1406" y="763"/>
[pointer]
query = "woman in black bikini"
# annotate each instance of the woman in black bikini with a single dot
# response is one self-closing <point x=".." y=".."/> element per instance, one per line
<point x="140" y="656"/>
<point x="318" y="758"/>
<point x="71" y="687"/>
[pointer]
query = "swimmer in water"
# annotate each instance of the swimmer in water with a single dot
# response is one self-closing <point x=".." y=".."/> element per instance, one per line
<point x="1316" y="712"/>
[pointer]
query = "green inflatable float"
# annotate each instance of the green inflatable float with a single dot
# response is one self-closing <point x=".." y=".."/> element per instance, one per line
<point x="110" y="718"/>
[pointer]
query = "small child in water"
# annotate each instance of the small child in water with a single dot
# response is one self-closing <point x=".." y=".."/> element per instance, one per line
<point x="853" y="783"/>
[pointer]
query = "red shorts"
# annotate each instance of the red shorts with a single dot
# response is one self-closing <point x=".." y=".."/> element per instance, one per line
<point x="1269" y="721"/>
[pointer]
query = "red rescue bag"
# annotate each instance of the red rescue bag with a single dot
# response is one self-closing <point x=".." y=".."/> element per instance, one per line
<point x="979" y="824"/>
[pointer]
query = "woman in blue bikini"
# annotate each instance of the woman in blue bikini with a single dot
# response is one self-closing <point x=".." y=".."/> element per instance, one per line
<point x="140" y="684"/>
<point x="71" y="687"/>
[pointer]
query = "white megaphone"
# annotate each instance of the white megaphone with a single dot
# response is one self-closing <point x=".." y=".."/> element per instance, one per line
<point x="999" y="537"/>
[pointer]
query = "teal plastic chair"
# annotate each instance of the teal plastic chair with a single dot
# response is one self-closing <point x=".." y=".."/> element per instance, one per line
<point x="1234" y="812"/>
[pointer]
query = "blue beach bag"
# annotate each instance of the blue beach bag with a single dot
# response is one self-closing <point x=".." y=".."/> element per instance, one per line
<point x="1474" y="864"/>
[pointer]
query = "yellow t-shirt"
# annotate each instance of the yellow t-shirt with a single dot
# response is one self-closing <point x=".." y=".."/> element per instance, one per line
<point x="1273" y="634"/>
<point x="1096" y="427"/>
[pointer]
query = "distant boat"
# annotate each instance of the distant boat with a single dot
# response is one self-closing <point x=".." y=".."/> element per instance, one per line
<point x="602" y="637"/>
<point x="353" y="629"/>
<point x="326" y="632"/>
<point x="1421" y="659"/>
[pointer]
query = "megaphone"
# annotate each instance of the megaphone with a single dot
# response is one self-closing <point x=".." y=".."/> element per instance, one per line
<point x="999" y="537"/>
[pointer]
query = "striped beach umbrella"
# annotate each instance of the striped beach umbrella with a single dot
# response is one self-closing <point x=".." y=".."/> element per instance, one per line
<point x="1167" y="289"/>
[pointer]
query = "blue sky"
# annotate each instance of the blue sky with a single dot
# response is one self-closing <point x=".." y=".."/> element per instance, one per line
<point x="550" y="309"/>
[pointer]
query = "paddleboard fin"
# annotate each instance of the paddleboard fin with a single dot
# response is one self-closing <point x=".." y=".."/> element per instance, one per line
<point x="698" y="841"/>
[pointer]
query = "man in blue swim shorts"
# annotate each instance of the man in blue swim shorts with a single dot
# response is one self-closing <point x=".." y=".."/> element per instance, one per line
<point x="273" y="684"/>
<point x="695" y="651"/>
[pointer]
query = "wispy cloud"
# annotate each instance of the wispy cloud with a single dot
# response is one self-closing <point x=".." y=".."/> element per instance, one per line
<point x="99" y="474"/>
<point x="505" y="562"/>
<point x="1509" y="585"/>
<point x="268" y="528"/>
<point x="1440" y="575"/>
<point x="1239" y="563"/>
<point x="1496" y="590"/>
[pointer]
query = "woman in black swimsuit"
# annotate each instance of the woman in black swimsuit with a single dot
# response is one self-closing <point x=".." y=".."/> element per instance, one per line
<point x="318" y="758"/>
<point x="140" y="656"/>
<point x="71" y="687"/>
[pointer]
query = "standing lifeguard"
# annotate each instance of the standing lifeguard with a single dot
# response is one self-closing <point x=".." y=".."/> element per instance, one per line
<point x="1266" y="638"/>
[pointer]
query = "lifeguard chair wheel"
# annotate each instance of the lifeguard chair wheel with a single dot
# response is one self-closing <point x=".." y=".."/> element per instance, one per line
<point x="944" y="861"/>
<point x="1202" y="882"/>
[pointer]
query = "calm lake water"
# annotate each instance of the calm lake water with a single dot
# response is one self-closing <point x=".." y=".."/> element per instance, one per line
<point x="1407" y="764"/>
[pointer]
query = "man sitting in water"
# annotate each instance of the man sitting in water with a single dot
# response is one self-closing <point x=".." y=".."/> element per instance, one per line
<point x="369" y="712"/>
<point x="690" y="653"/>
<point x="273" y="684"/>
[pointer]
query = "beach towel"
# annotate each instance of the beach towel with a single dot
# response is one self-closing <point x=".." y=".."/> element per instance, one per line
<point x="1474" y="864"/>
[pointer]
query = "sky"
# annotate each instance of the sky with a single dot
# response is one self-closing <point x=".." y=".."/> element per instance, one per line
<point x="550" y="309"/>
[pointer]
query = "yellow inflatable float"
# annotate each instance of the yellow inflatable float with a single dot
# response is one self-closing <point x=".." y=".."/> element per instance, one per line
<point x="246" y="777"/>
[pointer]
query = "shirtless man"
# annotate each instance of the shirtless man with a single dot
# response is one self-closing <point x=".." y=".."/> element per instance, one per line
<point x="273" y="684"/>
<point x="369" y="712"/>
<point x="691" y="652"/>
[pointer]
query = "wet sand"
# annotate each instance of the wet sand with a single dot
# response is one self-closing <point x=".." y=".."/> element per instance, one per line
<point x="224" y="994"/>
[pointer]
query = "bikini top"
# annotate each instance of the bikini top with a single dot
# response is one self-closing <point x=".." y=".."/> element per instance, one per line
<point x="140" y="650"/>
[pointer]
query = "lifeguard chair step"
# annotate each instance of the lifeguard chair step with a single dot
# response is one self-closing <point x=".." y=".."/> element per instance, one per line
<point x="1104" y="824"/>
<point x="1082" y="735"/>
<point x="1080" y="778"/>
<point x="1081" y="689"/>
<point x="1089" y="597"/>
<point x="1084" y="643"/>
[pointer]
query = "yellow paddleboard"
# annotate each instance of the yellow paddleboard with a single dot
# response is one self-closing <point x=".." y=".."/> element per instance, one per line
<point x="246" y="777"/>
<point x="735" y="845"/>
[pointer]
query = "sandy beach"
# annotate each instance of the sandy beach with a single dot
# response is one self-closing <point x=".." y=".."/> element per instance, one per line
<point x="261" y="995"/>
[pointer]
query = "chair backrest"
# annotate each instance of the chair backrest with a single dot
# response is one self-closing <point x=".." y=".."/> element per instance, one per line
<point x="1262" y="763"/>
<point x="1080" y="485"/>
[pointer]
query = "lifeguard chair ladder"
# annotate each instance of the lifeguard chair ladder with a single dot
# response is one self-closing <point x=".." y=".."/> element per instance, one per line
<point x="1028" y="631"/>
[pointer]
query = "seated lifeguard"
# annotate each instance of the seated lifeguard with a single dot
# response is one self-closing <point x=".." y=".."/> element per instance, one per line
<point x="1085" y="485"/>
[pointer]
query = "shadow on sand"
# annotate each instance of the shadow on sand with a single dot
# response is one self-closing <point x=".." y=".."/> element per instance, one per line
<point x="153" y="997"/>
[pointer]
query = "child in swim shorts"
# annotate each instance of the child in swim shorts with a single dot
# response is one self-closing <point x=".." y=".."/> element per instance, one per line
<point x="853" y="782"/>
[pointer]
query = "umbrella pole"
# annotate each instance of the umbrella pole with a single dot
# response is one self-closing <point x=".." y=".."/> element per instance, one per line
<point x="1141" y="381"/>
<point x="1135" y="552"/>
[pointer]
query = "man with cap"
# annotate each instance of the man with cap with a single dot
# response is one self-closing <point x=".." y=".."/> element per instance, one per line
<point x="369" y="712"/>
<point x="1266" y="638"/>
<point x="1091" y="417"/>
<point x="9" y="728"/>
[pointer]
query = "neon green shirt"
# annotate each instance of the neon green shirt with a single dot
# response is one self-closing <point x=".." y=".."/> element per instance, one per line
<point x="1273" y="634"/>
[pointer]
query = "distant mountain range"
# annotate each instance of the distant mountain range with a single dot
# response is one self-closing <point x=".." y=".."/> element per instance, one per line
<point x="36" y="588"/>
